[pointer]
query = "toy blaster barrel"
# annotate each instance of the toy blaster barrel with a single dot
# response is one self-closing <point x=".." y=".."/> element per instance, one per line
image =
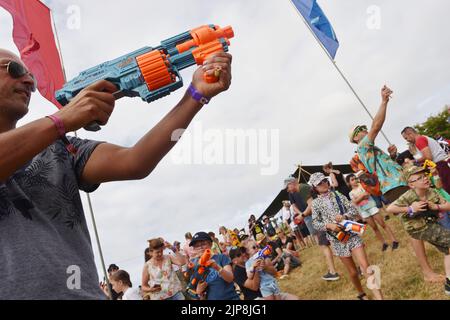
<point x="152" y="73"/>
<point x="204" y="259"/>
<point x="353" y="227"/>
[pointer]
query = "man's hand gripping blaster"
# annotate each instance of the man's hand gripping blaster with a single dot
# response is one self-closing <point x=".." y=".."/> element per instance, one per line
<point x="152" y="73"/>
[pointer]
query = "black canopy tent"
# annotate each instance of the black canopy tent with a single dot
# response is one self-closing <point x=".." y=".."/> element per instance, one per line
<point x="306" y="171"/>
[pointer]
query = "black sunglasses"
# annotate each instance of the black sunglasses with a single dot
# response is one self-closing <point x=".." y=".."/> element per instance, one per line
<point x="17" y="70"/>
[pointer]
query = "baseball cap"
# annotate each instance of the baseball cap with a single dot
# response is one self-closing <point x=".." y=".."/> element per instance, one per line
<point x="317" y="178"/>
<point x="199" y="236"/>
<point x="407" y="173"/>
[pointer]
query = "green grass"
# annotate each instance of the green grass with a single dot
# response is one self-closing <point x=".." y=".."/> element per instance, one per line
<point x="401" y="277"/>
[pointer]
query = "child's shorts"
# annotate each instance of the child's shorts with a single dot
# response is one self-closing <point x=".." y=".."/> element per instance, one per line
<point x="435" y="234"/>
<point x="270" y="288"/>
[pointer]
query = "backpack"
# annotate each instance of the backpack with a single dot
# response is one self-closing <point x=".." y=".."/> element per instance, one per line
<point x="369" y="181"/>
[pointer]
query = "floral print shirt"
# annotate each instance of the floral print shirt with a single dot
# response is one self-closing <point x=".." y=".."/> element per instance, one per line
<point x="325" y="208"/>
<point x="388" y="171"/>
<point x="166" y="277"/>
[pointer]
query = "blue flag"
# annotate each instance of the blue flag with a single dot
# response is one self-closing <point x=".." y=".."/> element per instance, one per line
<point x="319" y="23"/>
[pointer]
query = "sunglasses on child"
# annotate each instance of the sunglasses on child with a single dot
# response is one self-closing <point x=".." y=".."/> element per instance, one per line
<point x="358" y="130"/>
<point x="17" y="70"/>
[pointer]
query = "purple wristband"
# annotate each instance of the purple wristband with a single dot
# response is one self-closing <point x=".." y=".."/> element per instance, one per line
<point x="197" y="96"/>
<point x="62" y="133"/>
<point x="410" y="212"/>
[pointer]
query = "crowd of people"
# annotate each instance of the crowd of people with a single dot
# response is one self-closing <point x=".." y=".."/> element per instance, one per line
<point x="247" y="263"/>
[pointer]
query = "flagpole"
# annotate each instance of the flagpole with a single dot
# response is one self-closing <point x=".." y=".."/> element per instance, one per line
<point x="87" y="194"/>
<point x="337" y="68"/>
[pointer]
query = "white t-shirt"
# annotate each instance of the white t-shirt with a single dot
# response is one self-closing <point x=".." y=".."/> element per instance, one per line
<point x="132" y="294"/>
<point x="437" y="152"/>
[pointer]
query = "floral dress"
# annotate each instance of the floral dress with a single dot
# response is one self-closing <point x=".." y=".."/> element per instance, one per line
<point x="166" y="277"/>
<point x="325" y="208"/>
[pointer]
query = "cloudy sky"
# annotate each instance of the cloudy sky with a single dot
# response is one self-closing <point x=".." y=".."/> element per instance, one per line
<point x="285" y="92"/>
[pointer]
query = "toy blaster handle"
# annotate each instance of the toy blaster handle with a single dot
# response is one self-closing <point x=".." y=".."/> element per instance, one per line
<point x="206" y="42"/>
<point x="152" y="73"/>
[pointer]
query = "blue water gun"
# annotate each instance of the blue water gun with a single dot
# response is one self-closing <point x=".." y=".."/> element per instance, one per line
<point x="152" y="73"/>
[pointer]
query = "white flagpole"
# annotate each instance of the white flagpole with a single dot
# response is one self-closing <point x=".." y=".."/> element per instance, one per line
<point x="87" y="194"/>
<point x="337" y="68"/>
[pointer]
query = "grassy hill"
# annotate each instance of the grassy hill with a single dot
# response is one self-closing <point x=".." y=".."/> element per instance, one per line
<point x="401" y="277"/>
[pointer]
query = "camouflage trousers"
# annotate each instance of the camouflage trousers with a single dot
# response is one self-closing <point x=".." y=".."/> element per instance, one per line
<point x="435" y="234"/>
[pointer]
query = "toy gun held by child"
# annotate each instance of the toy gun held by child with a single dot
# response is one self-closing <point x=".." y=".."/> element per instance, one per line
<point x="353" y="227"/>
<point x="198" y="273"/>
<point x="152" y="73"/>
<point x="428" y="164"/>
<point x="264" y="253"/>
<point x="348" y="229"/>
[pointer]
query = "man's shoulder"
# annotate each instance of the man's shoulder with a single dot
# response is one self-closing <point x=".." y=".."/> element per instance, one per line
<point x="221" y="258"/>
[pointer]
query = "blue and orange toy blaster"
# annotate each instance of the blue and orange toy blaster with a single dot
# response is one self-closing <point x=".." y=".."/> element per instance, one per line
<point x="197" y="273"/>
<point x="152" y="73"/>
<point x="264" y="253"/>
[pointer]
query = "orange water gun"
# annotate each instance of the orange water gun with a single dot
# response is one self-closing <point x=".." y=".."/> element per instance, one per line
<point x="198" y="272"/>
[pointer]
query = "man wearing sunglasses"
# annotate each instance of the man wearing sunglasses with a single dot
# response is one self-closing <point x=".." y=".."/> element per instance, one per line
<point x="45" y="243"/>
<point x="376" y="161"/>
<point x="389" y="173"/>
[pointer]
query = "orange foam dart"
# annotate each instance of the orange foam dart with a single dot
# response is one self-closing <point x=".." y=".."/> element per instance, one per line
<point x="155" y="69"/>
<point x="206" y="256"/>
